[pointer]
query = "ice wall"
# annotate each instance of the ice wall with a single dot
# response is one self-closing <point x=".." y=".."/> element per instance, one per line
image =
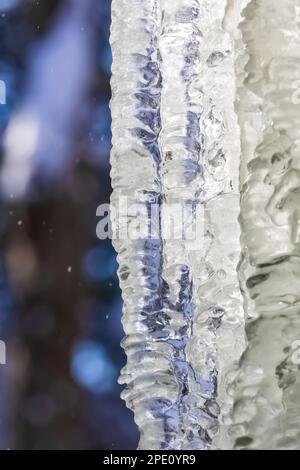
<point x="267" y="388"/>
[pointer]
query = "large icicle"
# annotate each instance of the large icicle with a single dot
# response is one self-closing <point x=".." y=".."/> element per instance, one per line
<point x="176" y="141"/>
<point x="136" y="89"/>
<point x="267" y="387"/>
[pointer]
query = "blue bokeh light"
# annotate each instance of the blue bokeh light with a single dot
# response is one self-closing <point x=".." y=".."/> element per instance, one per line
<point x="92" y="368"/>
<point x="100" y="264"/>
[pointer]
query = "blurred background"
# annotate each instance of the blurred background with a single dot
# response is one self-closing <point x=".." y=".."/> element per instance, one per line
<point x="60" y="304"/>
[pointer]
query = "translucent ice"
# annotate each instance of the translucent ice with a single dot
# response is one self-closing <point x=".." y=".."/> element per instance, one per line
<point x="205" y="97"/>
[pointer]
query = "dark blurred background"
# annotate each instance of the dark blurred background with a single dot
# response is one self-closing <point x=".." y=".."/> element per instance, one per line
<point x="60" y="304"/>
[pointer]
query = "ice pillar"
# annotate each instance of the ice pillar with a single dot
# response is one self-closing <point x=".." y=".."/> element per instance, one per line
<point x="175" y="173"/>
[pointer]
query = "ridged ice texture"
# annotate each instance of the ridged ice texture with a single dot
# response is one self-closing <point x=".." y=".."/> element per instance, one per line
<point x="267" y="387"/>
<point x="176" y="139"/>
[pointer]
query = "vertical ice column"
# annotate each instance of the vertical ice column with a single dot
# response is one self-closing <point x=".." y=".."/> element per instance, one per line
<point x="267" y="388"/>
<point x="183" y="186"/>
<point x="200" y="151"/>
<point x="176" y="145"/>
<point x="135" y="159"/>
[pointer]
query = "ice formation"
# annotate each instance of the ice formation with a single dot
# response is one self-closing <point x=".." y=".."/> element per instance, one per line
<point x="205" y="97"/>
<point x="267" y="388"/>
